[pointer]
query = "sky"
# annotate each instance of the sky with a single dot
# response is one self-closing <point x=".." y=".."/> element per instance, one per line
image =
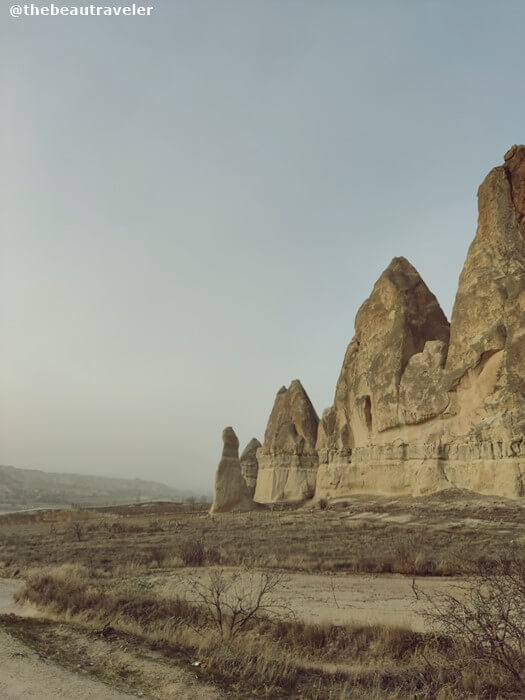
<point x="196" y="203"/>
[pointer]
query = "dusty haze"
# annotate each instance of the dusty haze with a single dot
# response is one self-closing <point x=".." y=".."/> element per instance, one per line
<point x="196" y="204"/>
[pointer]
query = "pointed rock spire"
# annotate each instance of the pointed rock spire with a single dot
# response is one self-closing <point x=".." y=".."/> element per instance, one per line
<point x="230" y="487"/>
<point x="249" y="465"/>
<point x="288" y="457"/>
<point x="292" y="427"/>
<point x="393" y="324"/>
<point x="489" y="310"/>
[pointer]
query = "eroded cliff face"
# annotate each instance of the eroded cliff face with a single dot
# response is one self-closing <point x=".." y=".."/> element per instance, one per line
<point x="288" y="457"/>
<point x="421" y="406"/>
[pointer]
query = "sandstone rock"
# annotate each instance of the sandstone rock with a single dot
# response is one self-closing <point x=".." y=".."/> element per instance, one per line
<point x="288" y="458"/>
<point x="399" y="321"/>
<point x="420" y="404"/>
<point x="416" y="411"/>
<point x="488" y="320"/>
<point x="249" y="465"/>
<point x="230" y="487"/>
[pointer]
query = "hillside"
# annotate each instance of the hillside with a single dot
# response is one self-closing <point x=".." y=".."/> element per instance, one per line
<point x="33" y="488"/>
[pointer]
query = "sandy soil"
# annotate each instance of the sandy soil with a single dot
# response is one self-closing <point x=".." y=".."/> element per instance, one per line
<point x="344" y="598"/>
<point x="365" y="599"/>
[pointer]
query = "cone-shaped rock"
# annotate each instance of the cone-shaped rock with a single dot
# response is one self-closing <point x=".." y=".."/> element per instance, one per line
<point x="249" y="465"/>
<point x="392" y="326"/>
<point x="288" y="458"/>
<point x="230" y="487"/>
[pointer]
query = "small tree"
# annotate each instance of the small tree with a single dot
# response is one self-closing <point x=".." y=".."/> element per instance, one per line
<point x="230" y="601"/>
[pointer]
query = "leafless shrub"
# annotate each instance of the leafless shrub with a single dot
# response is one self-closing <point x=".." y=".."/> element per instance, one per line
<point x="213" y="555"/>
<point x="192" y="552"/>
<point x="77" y="530"/>
<point x="486" y="614"/>
<point x="230" y="601"/>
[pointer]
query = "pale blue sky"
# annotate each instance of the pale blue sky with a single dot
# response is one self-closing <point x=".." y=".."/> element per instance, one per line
<point x="195" y="204"/>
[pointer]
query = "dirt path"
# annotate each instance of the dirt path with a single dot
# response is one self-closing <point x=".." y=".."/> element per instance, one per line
<point x="24" y="675"/>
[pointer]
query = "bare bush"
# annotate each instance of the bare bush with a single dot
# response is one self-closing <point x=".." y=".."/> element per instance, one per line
<point x="192" y="552"/>
<point x="487" y="614"/>
<point x="230" y="601"/>
<point x="77" y="529"/>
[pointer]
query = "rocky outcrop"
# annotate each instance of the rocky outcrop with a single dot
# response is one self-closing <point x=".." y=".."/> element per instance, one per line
<point x="399" y="330"/>
<point x="420" y="406"/>
<point x="249" y="465"/>
<point x="486" y="358"/>
<point x="288" y="458"/>
<point x="230" y="487"/>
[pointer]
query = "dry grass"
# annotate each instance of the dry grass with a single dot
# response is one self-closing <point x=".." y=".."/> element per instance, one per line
<point x="275" y="658"/>
<point x="365" y="535"/>
<point x="100" y="556"/>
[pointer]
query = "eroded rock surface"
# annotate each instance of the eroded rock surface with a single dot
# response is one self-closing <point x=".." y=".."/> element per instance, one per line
<point x="420" y="406"/>
<point x="249" y="465"/>
<point x="288" y="458"/>
<point x="231" y="492"/>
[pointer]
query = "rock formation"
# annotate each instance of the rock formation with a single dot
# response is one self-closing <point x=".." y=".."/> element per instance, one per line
<point x="231" y="492"/>
<point x="249" y="465"/>
<point x="420" y="407"/>
<point x="288" y="458"/>
<point x="420" y="404"/>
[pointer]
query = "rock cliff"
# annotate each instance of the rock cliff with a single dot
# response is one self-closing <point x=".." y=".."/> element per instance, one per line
<point x="420" y="406"/>
<point x="288" y="458"/>
<point x="230" y="487"/>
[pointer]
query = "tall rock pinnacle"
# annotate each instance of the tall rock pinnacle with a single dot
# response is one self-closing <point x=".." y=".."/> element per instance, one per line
<point x="288" y="457"/>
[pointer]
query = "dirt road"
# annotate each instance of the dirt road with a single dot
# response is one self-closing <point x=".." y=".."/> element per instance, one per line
<point x="24" y="675"/>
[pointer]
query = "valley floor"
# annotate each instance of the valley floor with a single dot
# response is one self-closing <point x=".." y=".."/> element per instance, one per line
<point x="353" y="579"/>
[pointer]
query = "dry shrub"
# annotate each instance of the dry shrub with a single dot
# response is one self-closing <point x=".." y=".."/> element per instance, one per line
<point x="486" y="615"/>
<point x="231" y="602"/>
<point x="278" y="657"/>
<point x="70" y="590"/>
<point x="192" y="553"/>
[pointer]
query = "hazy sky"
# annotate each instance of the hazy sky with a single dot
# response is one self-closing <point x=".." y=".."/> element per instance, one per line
<point x="195" y="204"/>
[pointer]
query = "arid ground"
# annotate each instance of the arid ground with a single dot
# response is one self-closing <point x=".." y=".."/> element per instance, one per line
<point x="122" y="601"/>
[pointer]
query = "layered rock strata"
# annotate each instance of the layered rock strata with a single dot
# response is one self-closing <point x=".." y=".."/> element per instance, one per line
<point x="421" y="406"/>
<point x="231" y="492"/>
<point x="288" y="459"/>
<point x="249" y="465"/>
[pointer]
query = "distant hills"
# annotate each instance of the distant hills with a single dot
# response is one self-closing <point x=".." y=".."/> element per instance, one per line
<point x="32" y="488"/>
